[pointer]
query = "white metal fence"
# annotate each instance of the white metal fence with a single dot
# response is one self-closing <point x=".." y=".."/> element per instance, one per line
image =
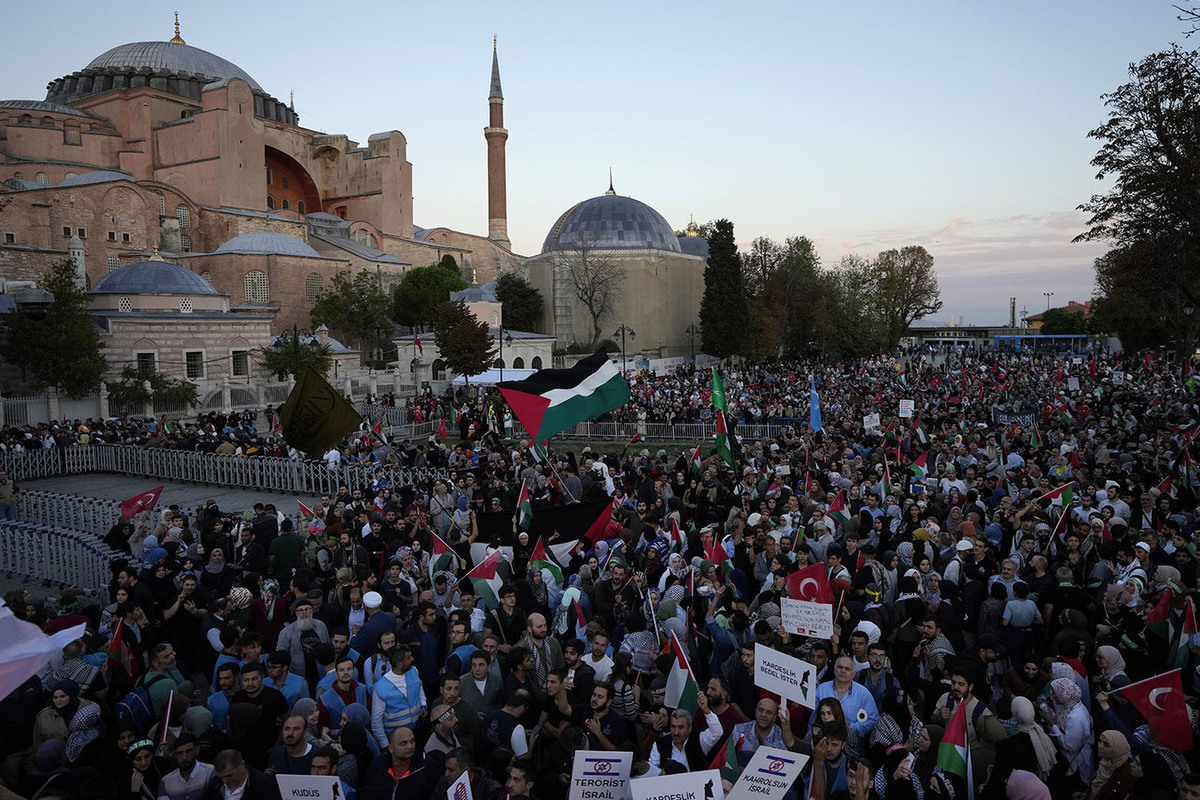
<point x="51" y="555"/>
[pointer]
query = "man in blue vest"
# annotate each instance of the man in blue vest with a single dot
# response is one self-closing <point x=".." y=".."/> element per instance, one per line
<point x="398" y="699"/>
<point x="460" y="649"/>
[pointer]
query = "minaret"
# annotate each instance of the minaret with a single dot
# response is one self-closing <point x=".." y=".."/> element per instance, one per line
<point x="496" y="135"/>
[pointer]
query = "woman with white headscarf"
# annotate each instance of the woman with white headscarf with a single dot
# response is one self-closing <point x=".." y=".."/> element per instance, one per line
<point x="1072" y="729"/>
<point x="1112" y="668"/>
<point x="1115" y="775"/>
<point x="1043" y="745"/>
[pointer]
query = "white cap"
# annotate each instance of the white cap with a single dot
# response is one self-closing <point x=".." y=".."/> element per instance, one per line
<point x="372" y="600"/>
<point x="964" y="545"/>
<point x="754" y="519"/>
<point x="1142" y="546"/>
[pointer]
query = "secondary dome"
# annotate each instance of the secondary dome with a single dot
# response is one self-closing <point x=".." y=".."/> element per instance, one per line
<point x="169" y="57"/>
<point x="153" y="277"/>
<point x="611" y="222"/>
<point x="267" y="243"/>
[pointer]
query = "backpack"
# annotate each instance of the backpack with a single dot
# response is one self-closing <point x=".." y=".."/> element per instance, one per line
<point x="136" y="707"/>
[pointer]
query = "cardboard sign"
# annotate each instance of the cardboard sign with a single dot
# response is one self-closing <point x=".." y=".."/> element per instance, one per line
<point x="309" y="787"/>
<point x="1073" y="384"/>
<point x="600" y="775"/>
<point x="461" y="788"/>
<point x="787" y="676"/>
<point x="704" y="785"/>
<point x="768" y="776"/>
<point x="806" y="618"/>
<point x="871" y="421"/>
<point x="906" y="408"/>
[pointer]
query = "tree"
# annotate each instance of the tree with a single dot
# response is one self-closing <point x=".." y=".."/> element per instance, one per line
<point x="131" y="391"/>
<point x="357" y="308"/>
<point x="724" y="311"/>
<point x="465" y="342"/>
<point x="292" y="358"/>
<point x="1141" y="315"/>
<point x="449" y="264"/>
<point x="1059" y="321"/>
<point x="417" y="298"/>
<point x="596" y="280"/>
<point x="759" y="266"/>
<point x="850" y="325"/>
<point x="62" y="349"/>
<point x="908" y="289"/>
<point x="703" y="230"/>
<point x="522" y="303"/>
<point x="1150" y="149"/>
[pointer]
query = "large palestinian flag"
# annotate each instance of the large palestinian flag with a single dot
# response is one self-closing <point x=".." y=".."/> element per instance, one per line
<point x="486" y="582"/>
<point x="553" y="400"/>
<point x="682" y="688"/>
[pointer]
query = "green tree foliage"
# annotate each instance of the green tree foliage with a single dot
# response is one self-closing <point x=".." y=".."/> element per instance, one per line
<point x="1150" y="153"/>
<point x="851" y="325"/>
<point x="465" y="343"/>
<point x="356" y="308"/>
<point x="291" y="358"/>
<point x="906" y="289"/>
<point x="1059" y="321"/>
<point x="724" y="310"/>
<point x="449" y="264"/>
<point x="62" y="349"/>
<point x="417" y="298"/>
<point x="521" y="301"/>
<point x="131" y="391"/>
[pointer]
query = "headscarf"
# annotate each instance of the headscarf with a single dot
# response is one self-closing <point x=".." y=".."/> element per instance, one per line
<point x="71" y="689"/>
<point x="905" y="551"/>
<point x="1116" y="662"/>
<point x="197" y="720"/>
<point x="85" y="728"/>
<point x="1024" y="785"/>
<point x="215" y="569"/>
<point x="1066" y="697"/>
<point x="954" y="519"/>
<point x="541" y="593"/>
<point x="302" y="709"/>
<point x="49" y="757"/>
<point x="358" y="714"/>
<point x="1107" y="766"/>
<point x="1043" y="745"/>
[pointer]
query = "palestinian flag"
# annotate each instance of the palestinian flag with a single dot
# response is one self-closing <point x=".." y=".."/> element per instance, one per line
<point x="726" y="759"/>
<point x="918" y="468"/>
<point x="486" y="581"/>
<point x="597" y="531"/>
<point x="962" y="423"/>
<point x="524" y="508"/>
<point x="718" y="392"/>
<point x="443" y="557"/>
<point x="1035" y="440"/>
<point x="919" y="431"/>
<point x="1187" y="636"/>
<point x="551" y="401"/>
<point x="682" y="688"/>
<point x="540" y="452"/>
<point x="580" y="620"/>
<point x="1060" y="496"/>
<point x="119" y="657"/>
<point x="638" y="438"/>
<point x="723" y="448"/>
<point x="697" y="461"/>
<point x="837" y="509"/>
<point x="678" y="540"/>
<point x="1165" y="487"/>
<point x="715" y="552"/>
<point x="902" y="379"/>
<point x="303" y="511"/>
<point x="1158" y="621"/>
<point x="540" y="560"/>
<point x="953" y="755"/>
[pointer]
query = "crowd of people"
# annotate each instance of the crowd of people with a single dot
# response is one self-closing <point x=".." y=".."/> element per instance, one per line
<point x="1022" y="546"/>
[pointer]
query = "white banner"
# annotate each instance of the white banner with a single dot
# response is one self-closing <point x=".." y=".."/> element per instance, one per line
<point x="768" y="776"/>
<point x="806" y="618"/>
<point x="704" y="785"/>
<point x="787" y="676"/>
<point x="309" y="787"/>
<point x="906" y="408"/>
<point x="1072" y="384"/>
<point x="871" y="421"/>
<point x="601" y="775"/>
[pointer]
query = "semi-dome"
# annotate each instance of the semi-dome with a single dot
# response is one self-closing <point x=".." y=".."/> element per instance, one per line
<point x="153" y="277"/>
<point x="267" y="243"/>
<point x="96" y="176"/>
<point x="611" y="222"/>
<point x="169" y="57"/>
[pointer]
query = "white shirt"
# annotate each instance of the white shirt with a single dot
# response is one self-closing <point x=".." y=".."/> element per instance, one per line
<point x="603" y="667"/>
<point x="333" y="458"/>
<point x="708" y="738"/>
<point x="235" y="794"/>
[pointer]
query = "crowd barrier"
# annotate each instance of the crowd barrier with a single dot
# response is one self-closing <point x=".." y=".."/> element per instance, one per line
<point x="56" y="556"/>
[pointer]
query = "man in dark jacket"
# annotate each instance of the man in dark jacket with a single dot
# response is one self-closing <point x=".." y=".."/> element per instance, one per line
<point x="403" y="771"/>
<point x="235" y="776"/>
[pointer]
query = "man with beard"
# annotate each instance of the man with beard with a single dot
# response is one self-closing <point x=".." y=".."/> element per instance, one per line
<point x="301" y="638"/>
<point x="581" y="678"/>
<point x="468" y="720"/>
<point x="398" y="699"/>
<point x="605" y="730"/>
<point x="374" y="667"/>
<point x="260" y="733"/>
<point x="546" y="651"/>
<point x="294" y="756"/>
<point x="227" y="684"/>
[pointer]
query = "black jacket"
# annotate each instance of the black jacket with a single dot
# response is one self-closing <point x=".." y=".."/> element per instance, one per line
<point x="259" y="786"/>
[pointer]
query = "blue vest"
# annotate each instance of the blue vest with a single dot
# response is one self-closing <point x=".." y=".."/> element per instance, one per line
<point x="334" y="704"/>
<point x="399" y="710"/>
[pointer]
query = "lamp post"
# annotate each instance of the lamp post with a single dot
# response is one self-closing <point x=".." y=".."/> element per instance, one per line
<point x="622" y="331"/>
<point x="691" y="331"/>
<point x="295" y="334"/>
<point x="505" y="336"/>
<point x="1048" y="295"/>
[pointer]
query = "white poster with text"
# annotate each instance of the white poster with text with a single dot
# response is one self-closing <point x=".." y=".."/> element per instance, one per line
<point x="787" y="676"/>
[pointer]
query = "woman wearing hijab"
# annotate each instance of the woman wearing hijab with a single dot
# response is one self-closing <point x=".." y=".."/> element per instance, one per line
<point x="210" y="740"/>
<point x="307" y="708"/>
<point x="146" y="771"/>
<point x="217" y="577"/>
<point x="1024" y="785"/>
<point x="898" y="724"/>
<point x="1072" y="729"/>
<point x="54" y="721"/>
<point x="268" y="614"/>
<point x="1115" y="774"/>
<point x="85" y="730"/>
<point x="1112" y="668"/>
<point x="896" y="780"/>
<point x="357" y="714"/>
<point x="1039" y="741"/>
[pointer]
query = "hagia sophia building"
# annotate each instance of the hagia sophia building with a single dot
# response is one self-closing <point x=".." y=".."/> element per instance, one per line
<point x="165" y="148"/>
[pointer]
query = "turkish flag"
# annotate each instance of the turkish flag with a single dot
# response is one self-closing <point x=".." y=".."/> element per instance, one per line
<point x="140" y="502"/>
<point x="811" y="584"/>
<point x="441" y="431"/>
<point x="1160" y="700"/>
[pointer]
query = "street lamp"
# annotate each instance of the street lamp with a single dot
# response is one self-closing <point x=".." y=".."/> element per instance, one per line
<point x="622" y="331"/>
<point x="1048" y="296"/>
<point x="692" y="331"/>
<point x="505" y="336"/>
<point x="295" y="333"/>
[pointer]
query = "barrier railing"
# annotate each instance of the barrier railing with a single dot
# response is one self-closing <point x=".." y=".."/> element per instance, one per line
<point x="56" y="556"/>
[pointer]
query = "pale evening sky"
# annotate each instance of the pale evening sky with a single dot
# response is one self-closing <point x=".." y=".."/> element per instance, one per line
<point x="866" y="126"/>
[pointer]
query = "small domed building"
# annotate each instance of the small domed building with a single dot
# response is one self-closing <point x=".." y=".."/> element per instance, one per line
<point x="662" y="278"/>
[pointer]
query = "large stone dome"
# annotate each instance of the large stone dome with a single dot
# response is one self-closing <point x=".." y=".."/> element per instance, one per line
<point x="153" y="277"/>
<point x="169" y="57"/>
<point x="611" y="222"/>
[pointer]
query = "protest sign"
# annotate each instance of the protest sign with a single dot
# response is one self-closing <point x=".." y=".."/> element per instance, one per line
<point x="768" y="776"/>
<point x="461" y="788"/>
<point x="871" y="421"/>
<point x="705" y="785"/>
<point x="787" y="676"/>
<point x="601" y="775"/>
<point x="1022" y="419"/>
<point x="309" y="787"/>
<point x="806" y="618"/>
<point x="1073" y="384"/>
<point x="906" y="408"/>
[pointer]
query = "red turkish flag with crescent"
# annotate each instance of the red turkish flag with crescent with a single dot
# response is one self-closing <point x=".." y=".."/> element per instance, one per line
<point x="140" y="502"/>
<point x="810" y="584"/>
<point x="1160" y="700"/>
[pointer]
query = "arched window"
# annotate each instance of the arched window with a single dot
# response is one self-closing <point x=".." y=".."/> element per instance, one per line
<point x="498" y="363"/>
<point x="19" y="176"/>
<point x="270" y="202"/>
<point x="47" y="122"/>
<point x="42" y="178"/>
<point x="536" y="363"/>
<point x="518" y="363"/>
<point x="439" y="370"/>
<point x="285" y="205"/>
<point x="185" y="242"/>
<point x="300" y="207"/>
<point x="207" y="276"/>
<point x="184" y="215"/>
<point x="255" y="284"/>
<point x="312" y="287"/>
<point x="69" y="175"/>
